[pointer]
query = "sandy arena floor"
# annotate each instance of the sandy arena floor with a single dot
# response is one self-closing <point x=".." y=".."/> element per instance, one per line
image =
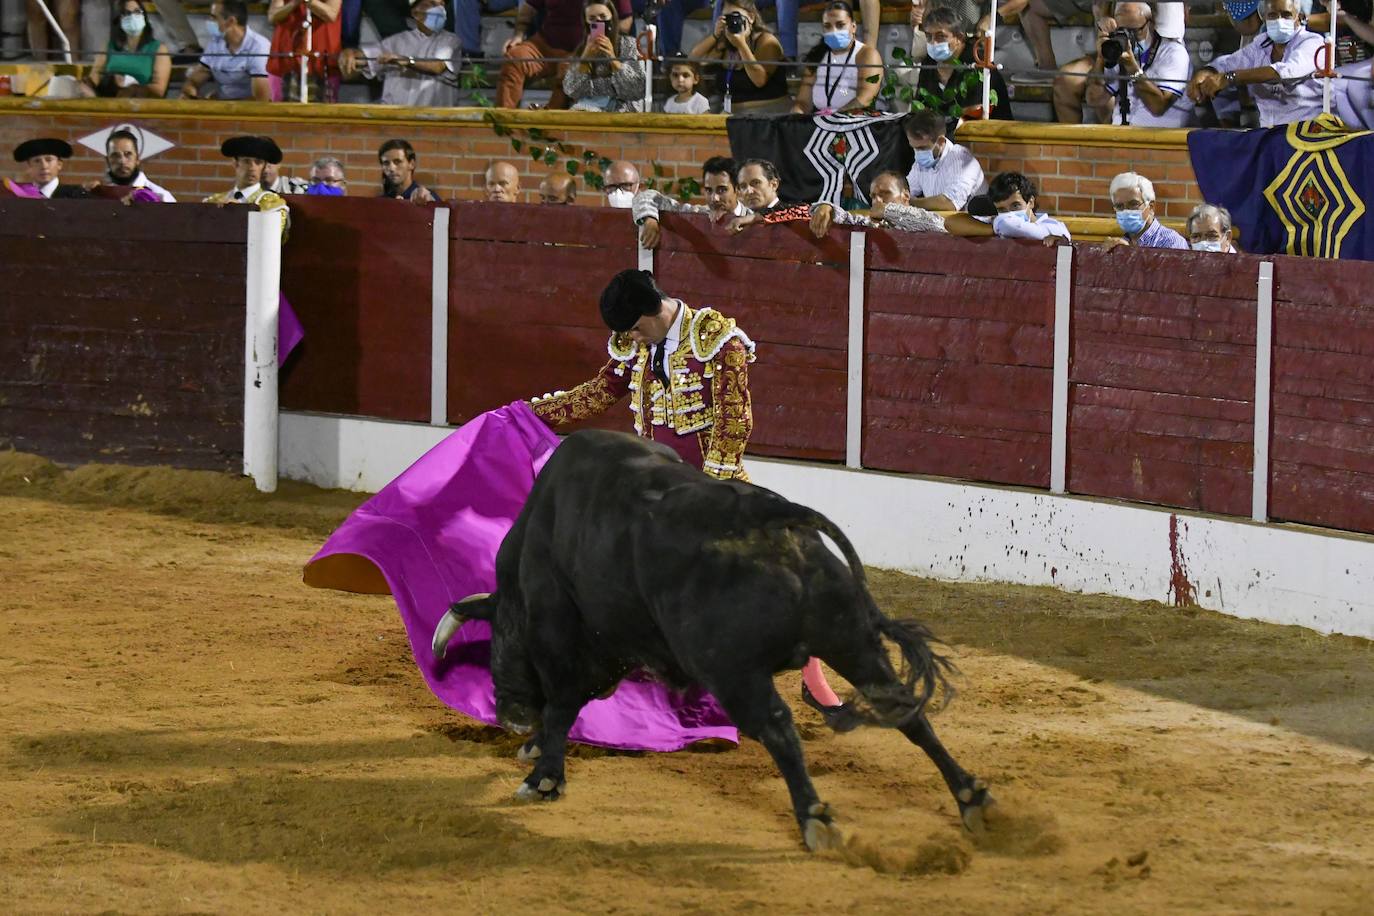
<point x="187" y="729"/>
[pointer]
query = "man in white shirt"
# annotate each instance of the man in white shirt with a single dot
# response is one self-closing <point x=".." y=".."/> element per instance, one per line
<point x="126" y="168"/>
<point x="1277" y="67"/>
<point x="235" y="58"/>
<point x="42" y="160"/>
<point x="417" y="67"/>
<point x="1013" y="194"/>
<point x="945" y="174"/>
<point x="1155" y="71"/>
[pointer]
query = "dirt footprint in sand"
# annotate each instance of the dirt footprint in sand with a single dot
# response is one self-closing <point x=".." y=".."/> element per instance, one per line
<point x="1019" y="830"/>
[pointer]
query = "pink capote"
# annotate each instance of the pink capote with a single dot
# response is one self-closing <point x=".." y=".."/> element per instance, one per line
<point x="432" y="535"/>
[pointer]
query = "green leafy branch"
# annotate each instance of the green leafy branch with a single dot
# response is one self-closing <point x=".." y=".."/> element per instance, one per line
<point x="966" y="83"/>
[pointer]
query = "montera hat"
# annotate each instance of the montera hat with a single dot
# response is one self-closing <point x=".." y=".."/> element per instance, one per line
<point x="43" y="146"/>
<point x="630" y="296"/>
<point x="264" y="148"/>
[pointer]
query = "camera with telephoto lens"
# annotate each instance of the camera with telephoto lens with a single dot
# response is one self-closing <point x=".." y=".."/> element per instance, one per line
<point x="1116" y="44"/>
<point x="735" y="22"/>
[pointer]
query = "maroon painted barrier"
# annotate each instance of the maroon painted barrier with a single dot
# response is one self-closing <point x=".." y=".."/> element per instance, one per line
<point x="123" y="332"/>
<point x="358" y="273"/>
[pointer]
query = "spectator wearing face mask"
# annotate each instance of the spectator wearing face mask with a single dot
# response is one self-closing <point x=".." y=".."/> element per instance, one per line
<point x="1209" y="229"/>
<point x="1154" y="70"/>
<point x="949" y="83"/>
<point x="1013" y="194"/>
<point x="621" y="184"/>
<point x="133" y="64"/>
<point x="327" y="178"/>
<point x="1276" y="69"/>
<point x="417" y="67"/>
<point x="945" y="174"/>
<point x="717" y="184"/>
<point x="847" y="73"/>
<point x="1133" y="198"/>
<point x="235" y="58"/>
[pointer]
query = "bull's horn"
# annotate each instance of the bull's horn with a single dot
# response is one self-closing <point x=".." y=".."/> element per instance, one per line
<point x="449" y="624"/>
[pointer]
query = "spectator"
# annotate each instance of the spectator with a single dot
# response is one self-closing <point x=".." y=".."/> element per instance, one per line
<point x="42" y="160"/>
<point x="670" y="20"/>
<point x="558" y="188"/>
<point x="279" y="183"/>
<point x="251" y="155"/>
<point x="288" y="41"/>
<point x="327" y="178"/>
<point x="68" y="15"/>
<point x="1154" y="69"/>
<point x="1038" y="16"/>
<point x="621" y="184"/>
<point x="758" y="183"/>
<point x="1013" y="194"/>
<point x="397" y="158"/>
<point x="134" y="64"/>
<point x="418" y="66"/>
<point x="967" y="12"/>
<point x="891" y="209"/>
<point x="745" y="47"/>
<point x="1354" y="58"/>
<point x="1133" y="198"/>
<point x="536" y="53"/>
<point x="503" y="183"/>
<point x="467" y="21"/>
<point x="235" y="57"/>
<point x="125" y="168"/>
<point x="945" y="174"/>
<point x="848" y="73"/>
<point x="949" y="83"/>
<point x="722" y="200"/>
<point x="685" y="76"/>
<point x="1209" y="229"/>
<point x="613" y="80"/>
<point x="1277" y="69"/>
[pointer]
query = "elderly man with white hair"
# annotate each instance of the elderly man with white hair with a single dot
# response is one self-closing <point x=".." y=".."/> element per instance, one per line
<point x="1133" y="198"/>
<point x="1277" y="67"/>
<point x="1154" y="72"/>
<point x="1209" y="229"/>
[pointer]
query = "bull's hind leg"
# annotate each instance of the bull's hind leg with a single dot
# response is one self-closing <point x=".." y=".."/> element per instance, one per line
<point x="761" y="714"/>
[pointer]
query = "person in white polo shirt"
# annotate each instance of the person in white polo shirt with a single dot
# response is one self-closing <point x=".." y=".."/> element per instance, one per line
<point x="235" y="58"/>
<point x="945" y="174"/>
<point x="1154" y="71"/>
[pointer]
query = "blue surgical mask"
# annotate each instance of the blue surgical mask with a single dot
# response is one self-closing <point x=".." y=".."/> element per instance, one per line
<point x="1207" y="245"/>
<point x="925" y="158"/>
<point x="1281" y="31"/>
<point x="940" y="51"/>
<point x="1132" y="222"/>
<point x="838" y="41"/>
<point x="435" y="18"/>
<point x="321" y="189"/>
<point x="213" y="30"/>
<point x="132" y="23"/>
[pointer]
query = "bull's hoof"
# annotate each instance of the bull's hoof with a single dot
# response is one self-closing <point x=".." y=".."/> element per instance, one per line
<point x="974" y="801"/>
<point x="819" y="831"/>
<point x="546" y="790"/>
<point x="528" y="751"/>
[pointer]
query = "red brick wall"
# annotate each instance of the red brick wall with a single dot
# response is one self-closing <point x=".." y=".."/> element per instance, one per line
<point x="1073" y="164"/>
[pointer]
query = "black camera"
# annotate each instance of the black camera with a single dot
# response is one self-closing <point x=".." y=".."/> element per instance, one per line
<point x="1116" y="44"/>
<point x="735" y="22"/>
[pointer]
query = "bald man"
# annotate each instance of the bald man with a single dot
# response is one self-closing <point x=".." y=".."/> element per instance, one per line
<point x="558" y="188"/>
<point x="621" y="184"/>
<point x="503" y="183"/>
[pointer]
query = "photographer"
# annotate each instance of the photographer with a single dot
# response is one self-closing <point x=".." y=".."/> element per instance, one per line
<point x="1154" y="70"/>
<point x="743" y="44"/>
<point x="614" y="81"/>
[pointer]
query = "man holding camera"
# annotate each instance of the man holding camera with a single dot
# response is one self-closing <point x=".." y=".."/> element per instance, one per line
<point x="1152" y="70"/>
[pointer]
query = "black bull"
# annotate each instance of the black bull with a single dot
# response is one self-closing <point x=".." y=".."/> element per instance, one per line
<point x="625" y="557"/>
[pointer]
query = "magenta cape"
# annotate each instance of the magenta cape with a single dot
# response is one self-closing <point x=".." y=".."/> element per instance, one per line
<point x="430" y="538"/>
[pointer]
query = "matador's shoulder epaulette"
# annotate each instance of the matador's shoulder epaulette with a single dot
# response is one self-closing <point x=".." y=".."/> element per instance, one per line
<point x="711" y="330"/>
<point x="621" y="347"/>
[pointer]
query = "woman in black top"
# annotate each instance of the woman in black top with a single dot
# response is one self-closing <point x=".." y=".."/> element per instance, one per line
<point x="744" y="45"/>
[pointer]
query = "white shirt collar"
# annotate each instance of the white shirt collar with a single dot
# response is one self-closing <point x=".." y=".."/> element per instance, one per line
<point x="670" y="343"/>
<point x="48" y="188"/>
<point x="248" y="192"/>
<point x="741" y="209"/>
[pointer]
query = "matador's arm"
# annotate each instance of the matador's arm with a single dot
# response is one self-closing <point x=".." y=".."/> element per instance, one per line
<point x="734" y="414"/>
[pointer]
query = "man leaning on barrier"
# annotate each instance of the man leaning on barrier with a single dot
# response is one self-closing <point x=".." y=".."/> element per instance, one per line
<point x="1209" y="229"/>
<point x="718" y="186"/>
<point x="397" y="158"/>
<point x="1133" y="198"/>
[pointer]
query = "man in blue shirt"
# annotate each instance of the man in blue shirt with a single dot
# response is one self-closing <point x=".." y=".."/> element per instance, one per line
<point x="1133" y="198"/>
<point x="235" y="57"/>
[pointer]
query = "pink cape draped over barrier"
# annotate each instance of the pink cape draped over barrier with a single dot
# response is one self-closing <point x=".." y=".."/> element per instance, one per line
<point x="433" y="533"/>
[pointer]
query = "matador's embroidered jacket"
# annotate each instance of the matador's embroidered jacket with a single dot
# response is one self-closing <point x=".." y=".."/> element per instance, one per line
<point x="704" y="414"/>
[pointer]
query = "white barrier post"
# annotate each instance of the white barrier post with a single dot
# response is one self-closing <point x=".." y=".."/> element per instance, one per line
<point x="646" y="255"/>
<point x="438" y="322"/>
<point x="1264" y="370"/>
<point x="1328" y="81"/>
<point x="1059" y="411"/>
<point x="854" y="402"/>
<point x="992" y="61"/>
<point x="260" y="349"/>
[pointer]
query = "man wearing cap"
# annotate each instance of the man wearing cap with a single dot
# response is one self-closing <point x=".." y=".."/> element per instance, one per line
<point x="251" y="155"/>
<point x="125" y="168"/>
<point x="43" y="160"/>
<point x="416" y="67"/>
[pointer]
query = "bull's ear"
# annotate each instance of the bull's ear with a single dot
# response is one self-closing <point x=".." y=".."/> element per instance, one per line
<point x="475" y="607"/>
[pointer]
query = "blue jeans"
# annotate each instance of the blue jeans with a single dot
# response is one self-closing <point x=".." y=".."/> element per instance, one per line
<point x="671" y="17"/>
<point x="465" y="19"/>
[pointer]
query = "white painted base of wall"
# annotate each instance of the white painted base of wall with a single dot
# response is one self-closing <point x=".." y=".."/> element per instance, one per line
<point x="973" y="533"/>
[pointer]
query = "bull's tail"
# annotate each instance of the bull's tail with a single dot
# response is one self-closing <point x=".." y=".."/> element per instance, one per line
<point x="924" y="676"/>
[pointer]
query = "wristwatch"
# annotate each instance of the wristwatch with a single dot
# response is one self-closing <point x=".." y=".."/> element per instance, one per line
<point x="410" y="62"/>
<point x="1230" y="76"/>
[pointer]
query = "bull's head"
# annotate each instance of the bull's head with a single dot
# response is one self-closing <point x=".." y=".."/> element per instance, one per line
<point x="518" y="697"/>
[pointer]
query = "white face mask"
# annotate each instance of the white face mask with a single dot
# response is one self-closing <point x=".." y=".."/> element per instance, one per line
<point x="621" y="199"/>
<point x="1207" y="245"/>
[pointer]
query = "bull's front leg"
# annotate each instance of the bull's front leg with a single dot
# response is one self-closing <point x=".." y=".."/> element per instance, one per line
<point x="547" y="781"/>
